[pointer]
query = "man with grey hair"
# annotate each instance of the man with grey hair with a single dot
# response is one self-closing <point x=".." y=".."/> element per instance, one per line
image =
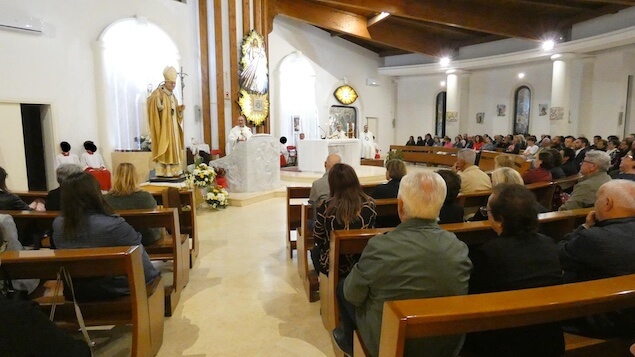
<point x="593" y="168"/>
<point x="417" y="259"/>
<point x="320" y="189"/>
<point x="602" y="248"/>
<point x="53" y="199"/>
<point x="472" y="177"/>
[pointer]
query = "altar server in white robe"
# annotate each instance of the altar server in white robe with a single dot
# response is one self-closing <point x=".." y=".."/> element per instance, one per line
<point x="368" y="144"/>
<point x="239" y="133"/>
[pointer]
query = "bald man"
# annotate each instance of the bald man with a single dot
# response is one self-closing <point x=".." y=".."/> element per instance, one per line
<point x="603" y="247"/>
<point x="320" y="189"/>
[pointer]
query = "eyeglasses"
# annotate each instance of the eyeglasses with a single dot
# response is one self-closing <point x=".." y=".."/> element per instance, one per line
<point x="484" y="211"/>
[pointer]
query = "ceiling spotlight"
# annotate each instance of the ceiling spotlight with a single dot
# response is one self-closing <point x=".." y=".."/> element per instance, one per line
<point x="521" y="75"/>
<point x="548" y="45"/>
<point x="444" y="62"/>
<point x="442" y="83"/>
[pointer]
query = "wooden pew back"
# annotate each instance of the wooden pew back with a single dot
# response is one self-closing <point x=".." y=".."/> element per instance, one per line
<point x="147" y="333"/>
<point x="554" y="224"/>
<point x="470" y="313"/>
<point x="173" y="247"/>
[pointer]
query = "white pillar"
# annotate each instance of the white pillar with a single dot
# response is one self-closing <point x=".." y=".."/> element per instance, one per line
<point x="456" y="83"/>
<point x="560" y="110"/>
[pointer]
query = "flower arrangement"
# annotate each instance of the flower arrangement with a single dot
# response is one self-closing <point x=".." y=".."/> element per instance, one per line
<point x="217" y="197"/>
<point x="201" y="176"/>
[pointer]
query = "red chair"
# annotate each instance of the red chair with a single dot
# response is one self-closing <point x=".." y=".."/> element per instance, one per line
<point x="293" y="155"/>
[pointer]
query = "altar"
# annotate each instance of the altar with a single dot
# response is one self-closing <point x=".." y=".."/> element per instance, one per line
<point x="313" y="153"/>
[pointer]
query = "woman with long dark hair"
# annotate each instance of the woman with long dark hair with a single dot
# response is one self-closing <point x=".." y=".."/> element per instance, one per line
<point x="87" y="221"/>
<point x="348" y="207"/>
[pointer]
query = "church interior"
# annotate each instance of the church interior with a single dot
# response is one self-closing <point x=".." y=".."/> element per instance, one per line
<point x="77" y="71"/>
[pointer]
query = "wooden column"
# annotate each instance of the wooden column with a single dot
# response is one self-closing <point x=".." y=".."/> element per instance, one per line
<point x="246" y="17"/>
<point x="205" y="110"/>
<point x="220" y="77"/>
<point x="233" y="64"/>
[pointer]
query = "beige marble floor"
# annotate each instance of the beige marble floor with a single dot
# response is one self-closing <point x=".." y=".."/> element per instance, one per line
<point x="244" y="297"/>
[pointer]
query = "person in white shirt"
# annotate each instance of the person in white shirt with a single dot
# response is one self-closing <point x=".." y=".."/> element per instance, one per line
<point x="239" y="133"/>
<point x="66" y="157"/>
<point x="531" y="149"/>
<point x="368" y="143"/>
<point x="91" y="159"/>
<point x="339" y="133"/>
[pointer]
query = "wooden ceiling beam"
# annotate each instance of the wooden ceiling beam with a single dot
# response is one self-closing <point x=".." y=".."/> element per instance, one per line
<point x="615" y="2"/>
<point x="385" y="33"/>
<point x="463" y="14"/>
<point x="605" y="10"/>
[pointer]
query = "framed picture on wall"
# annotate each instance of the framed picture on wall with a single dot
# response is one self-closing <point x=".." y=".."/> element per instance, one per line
<point x="501" y="110"/>
<point x="480" y="117"/>
<point x="542" y="109"/>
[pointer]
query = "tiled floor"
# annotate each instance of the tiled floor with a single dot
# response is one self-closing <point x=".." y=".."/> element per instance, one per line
<point x="244" y="297"/>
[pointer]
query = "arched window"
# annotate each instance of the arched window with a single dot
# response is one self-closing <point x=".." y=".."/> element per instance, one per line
<point x="439" y="128"/>
<point x="522" y="104"/>
<point x="298" y="111"/>
<point x="133" y="55"/>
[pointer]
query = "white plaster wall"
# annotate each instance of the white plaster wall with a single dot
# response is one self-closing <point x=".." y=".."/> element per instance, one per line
<point x="59" y="68"/>
<point x="416" y="106"/>
<point x="332" y="59"/>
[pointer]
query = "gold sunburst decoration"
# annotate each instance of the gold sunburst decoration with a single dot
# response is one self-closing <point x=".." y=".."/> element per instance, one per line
<point x="255" y="107"/>
<point x="345" y="94"/>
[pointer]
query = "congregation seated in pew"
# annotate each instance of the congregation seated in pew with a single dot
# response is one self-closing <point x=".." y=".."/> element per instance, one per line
<point x="87" y="221"/>
<point x="603" y="248"/>
<point x="519" y="258"/>
<point x="348" y="207"/>
<point x="472" y="177"/>
<point x="405" y="263"/>
<point x="593" y="168"/>
<point x="126" y="194"/>
<point x="395" y="170"/>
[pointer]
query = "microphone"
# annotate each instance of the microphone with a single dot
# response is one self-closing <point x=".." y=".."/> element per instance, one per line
<point x="323" y="137"/>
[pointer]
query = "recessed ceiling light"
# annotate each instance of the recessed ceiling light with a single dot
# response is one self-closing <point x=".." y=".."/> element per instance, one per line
<point x="548" y="45"/>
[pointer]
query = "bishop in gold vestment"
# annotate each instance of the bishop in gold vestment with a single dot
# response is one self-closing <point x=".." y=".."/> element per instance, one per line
<point x="165" y="117"/>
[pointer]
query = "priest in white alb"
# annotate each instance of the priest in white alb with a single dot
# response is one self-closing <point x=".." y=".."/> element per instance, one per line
<point x="239" y="133"/>
<point x="338" y="133"/>
<point x="367" y="144"/>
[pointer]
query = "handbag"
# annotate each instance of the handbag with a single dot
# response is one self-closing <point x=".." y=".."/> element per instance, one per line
<point x="68" y="283"/>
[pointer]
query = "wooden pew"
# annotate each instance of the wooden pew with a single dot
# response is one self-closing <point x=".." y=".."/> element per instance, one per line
<point x="143" y="309"/>
<point x="406" y="319"/>
<point x="295" y="197"/>
<point x="386" y="209"/>
<point x="427" y="154"/>
<point x="183" y="200"/>
<point x="553" y="224"/>
<point x="167" y="248"/>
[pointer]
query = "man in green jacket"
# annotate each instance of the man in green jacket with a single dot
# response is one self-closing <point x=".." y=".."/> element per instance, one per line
<point x="416" y="260"/>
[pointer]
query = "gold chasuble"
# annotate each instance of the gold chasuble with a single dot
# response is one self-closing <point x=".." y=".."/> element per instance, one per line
<point x="166" y="130"/>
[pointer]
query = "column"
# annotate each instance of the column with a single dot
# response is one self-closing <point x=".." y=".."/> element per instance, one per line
<point x="456" y="85"/>
<point x="560" y="111"/>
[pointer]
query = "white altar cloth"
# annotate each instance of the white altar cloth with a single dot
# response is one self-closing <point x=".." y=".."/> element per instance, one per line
<point x="253" y="165"/>
<point x="312" y="153"/>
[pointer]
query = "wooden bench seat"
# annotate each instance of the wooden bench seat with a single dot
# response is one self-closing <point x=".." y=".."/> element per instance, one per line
<point x="143" y="309"/>
<point x="417" y="318"/>
<point x="140" y="219"/>
<point x="169" y="197"/>
<point x="554" y="224"/>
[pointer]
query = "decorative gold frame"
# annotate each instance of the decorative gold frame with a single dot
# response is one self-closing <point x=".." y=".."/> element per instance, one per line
<point x="255" y="107"/>
<point x="345" y="94"/>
